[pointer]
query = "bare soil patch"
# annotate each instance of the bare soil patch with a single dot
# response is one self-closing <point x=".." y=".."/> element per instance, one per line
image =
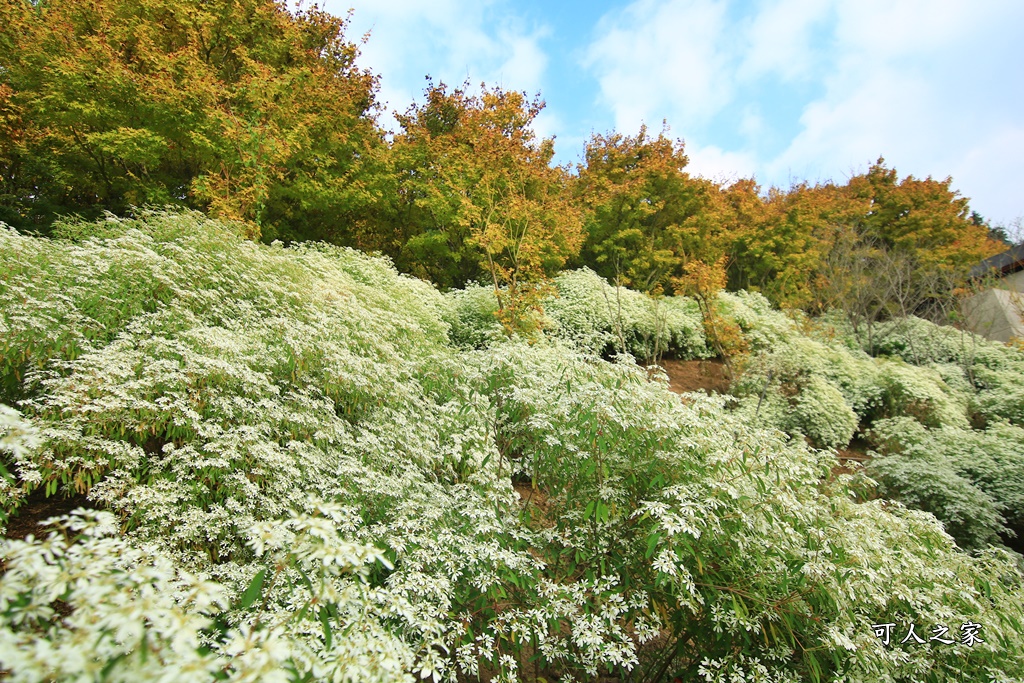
<point x="693" y="375"/>
<point x="39" y="508"/>
<point x="849" y="459"/>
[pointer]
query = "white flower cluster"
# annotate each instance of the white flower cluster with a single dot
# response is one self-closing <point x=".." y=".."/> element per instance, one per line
<point x="592" y="316"/>
<point x="102" y="608"/>
<point x="915" y="405"/>
<point x="827" y="390"/>
<point x="972" y="480"/>
<point x="304" y="480"/>
<point x="763" y="326"/>
<point x="18" y="439"/>
<point x="599" y="318"/>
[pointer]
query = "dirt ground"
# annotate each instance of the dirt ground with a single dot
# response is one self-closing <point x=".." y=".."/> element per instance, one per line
<point x="694" y="375"/>
<point x="848" y="460"/>
<point x="38" y="508"/>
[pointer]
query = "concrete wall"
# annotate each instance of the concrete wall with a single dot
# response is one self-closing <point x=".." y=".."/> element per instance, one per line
<point x="998" y="313"/>
<point x="1015" y="281"/>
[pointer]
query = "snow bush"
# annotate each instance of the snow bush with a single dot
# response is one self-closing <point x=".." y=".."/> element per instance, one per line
<point x="999" y="377"/>
<point x="790" y="388"/>
<point x="991" y="374"/>
<point x="871" y="388"/>
<point x="972" y="480"/>
<point x="1001" y="399"/>
<point x="131" y="614"/>
<point x="587" y="309"/>
<point x="820" y="411"/>
<point x="590" y="314"/>
<point x="922" y="342"/>
<point x="920" y="393"/>
<point x="17" y="439"/>
<point x="471" y="316"/>
<point x="762" y="325"/>
<point x="303" y="479"/>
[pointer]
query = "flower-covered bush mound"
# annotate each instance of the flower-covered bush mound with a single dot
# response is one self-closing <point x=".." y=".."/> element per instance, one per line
<point x="990" y="373"/>
<point x="592" y="316"/>
<point x="938" y="405"/>
<point x="972" y="480"/>
<point x="600" y="318"/>
<point x="298" y="477"/>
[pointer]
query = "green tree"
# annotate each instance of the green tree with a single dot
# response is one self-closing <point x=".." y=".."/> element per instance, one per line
<point x="481" y="197"/>
<point x="244" y="109"/>
<point x="638" y="197"/>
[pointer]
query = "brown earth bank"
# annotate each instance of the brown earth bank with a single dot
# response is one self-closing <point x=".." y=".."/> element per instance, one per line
<point x="693" y="375"/>
<point x="38" y="508"/>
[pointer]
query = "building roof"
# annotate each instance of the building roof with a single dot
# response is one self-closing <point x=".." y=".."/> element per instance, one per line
<point x="1007" y="262"/>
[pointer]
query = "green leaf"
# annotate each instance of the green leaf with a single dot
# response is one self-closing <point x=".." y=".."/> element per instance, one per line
<point x="252" y="593"/>
<point x="652" y="544"/>
<point x="327" y="628"/>
<point x="815" y="668"/>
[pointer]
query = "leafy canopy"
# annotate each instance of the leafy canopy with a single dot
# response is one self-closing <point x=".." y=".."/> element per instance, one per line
<point x="246" y="110"/>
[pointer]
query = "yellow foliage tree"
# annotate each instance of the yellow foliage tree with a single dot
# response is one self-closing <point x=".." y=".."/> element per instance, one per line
<point x="483" y="190"/>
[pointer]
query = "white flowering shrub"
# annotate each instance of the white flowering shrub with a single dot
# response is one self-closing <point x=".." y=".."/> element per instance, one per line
<point x="592" y="316"/>
<point x="814" y="375"/>
<point x="809" y="387"/>
<point x="821" y="412"/>
<point x="598" y="318"/>
<point x="301" y="478"/>
<point x="792" y="389"/>
<point x="918" y="416"/>
<point x="917" y="406"/>
<point x="972" y="480"/>
<point x="991" y="374"/>
<point x="702" y="507"/>
<point x="920" y="393"/>
<point x="762" y="325"/>
<point x="922" y="342"/>
<point x="86" y="604"/>
<point x="998" y="375"/>
<point x="471" y="316"/>
<point x="17" y="439"/>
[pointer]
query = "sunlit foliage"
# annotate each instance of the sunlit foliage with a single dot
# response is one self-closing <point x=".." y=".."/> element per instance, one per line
<point x="247" y="110"/>
<point x="304" y="480"/>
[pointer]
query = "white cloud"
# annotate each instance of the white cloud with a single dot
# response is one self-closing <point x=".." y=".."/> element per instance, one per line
<point x="687" y="59"/>
<point x="752" y="124"/>
<point x="883" y="29"/>
<point x="653" y="59"/>
<point x="523" y="69"/>
<point x="779" y="39"/>
<point x="719" y="165"/>
<point x="935" y="86"/>
<point x="991" y="174"/>
<point x="450" y="40"/>
<point x="877" y="115"/>
<point x="922" y="83"/>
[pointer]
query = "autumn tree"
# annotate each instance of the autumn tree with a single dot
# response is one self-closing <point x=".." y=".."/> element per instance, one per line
<point x="781" y="249"/>
<point x="244" y="109"/>
<point x="704" y="282"/>
<point x="482" y="198"/>
<point x="639" y="197"/>
<point x="926" y="218"/>
<point x="896" y="248"/>
<point x="878" y="244"/>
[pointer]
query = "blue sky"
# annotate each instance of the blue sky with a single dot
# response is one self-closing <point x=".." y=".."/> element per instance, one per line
<point x="782" y="90"/>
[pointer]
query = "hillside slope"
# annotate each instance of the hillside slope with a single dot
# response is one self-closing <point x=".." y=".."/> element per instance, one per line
<point x="299" y="477"/>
